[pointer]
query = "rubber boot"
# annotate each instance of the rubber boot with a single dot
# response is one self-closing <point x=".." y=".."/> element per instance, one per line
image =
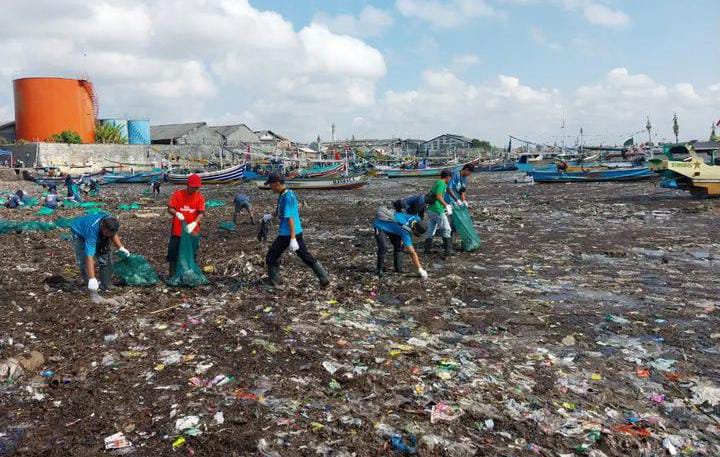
<point x="398" y="257"/>
<point x="274" y="276"/>
<point x="322" y="274"/>
<point x="447" y="244"/>
<point x="105" y="277"/>
<point x="380" y="268"/>
<point x="428" y="245"/>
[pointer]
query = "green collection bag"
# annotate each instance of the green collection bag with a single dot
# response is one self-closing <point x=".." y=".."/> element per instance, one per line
<point x="464" y="226"/>
<point x="227" y="226"/>
<point x="187" y="273"/>
<point x="134" y="270"/>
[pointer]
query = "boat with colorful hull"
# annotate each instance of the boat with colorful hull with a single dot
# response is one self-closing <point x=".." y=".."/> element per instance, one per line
<point x="339" y="183"/>
<point x="141" y="177"/>
<point x="430" y="172"/>
<point x="225" y="176"/>
<point x="688" y="172"/>
<point x="630" y="174"/>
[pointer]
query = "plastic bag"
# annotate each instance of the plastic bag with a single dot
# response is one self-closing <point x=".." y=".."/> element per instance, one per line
<point x="25" y="226"/>
<point x="227" y="225"/>
<point x="187" y="273"/>
<point x="131" y="207"/>
<point x="464" y="226"/>
<point x="45" y="211"/>
<point x="134" y="270"/>
<point x="214" y="203"/>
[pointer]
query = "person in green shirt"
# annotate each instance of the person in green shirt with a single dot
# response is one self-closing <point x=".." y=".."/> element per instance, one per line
<point x="438" y="212"/>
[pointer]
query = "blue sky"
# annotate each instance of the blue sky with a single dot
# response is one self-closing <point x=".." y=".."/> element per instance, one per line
<point x="415" y="68"/>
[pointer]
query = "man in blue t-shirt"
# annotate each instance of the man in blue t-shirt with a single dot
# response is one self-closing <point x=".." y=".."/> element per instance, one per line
<point x="92" y="235"/>
<point x="414" y="205"/>
<point x="399" y="229"/>
<point x="458" y="185"/>
<point x="290" y="234"/>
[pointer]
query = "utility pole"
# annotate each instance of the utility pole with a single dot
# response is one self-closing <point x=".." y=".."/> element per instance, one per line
<point x="648" y="127"/>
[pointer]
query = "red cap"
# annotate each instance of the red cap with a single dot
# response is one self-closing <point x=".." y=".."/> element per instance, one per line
<point x="194" y="180"/>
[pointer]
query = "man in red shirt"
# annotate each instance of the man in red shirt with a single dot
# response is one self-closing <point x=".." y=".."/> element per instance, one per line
<point x="185" y="205"/>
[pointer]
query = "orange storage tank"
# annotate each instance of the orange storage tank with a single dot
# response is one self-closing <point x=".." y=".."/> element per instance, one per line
<point x="46" y="106"/>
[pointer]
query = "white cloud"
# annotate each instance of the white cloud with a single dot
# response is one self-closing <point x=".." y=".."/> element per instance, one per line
<point x="600" y="14"/>
<point x="538" y="36"/>
<point x="445" y="14"/>
<point x="370" y="22"/>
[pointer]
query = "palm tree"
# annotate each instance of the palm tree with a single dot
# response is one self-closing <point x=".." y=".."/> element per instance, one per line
<point x="109" y="133"/>
<point x="676" y="128"/>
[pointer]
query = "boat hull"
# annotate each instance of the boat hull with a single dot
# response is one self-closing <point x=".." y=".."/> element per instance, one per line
<point x="137" y="178"/>
<point x="423" y="172"/>
<point x="226" y="176"/>
<point x="347" y="183"/>
<point x="633" y="174"/>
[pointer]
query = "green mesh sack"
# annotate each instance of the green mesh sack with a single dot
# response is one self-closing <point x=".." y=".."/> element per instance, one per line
<point x="73" y="204"/>
<point x="31" y="201"/>
<point x="25" y="226"/>
<point x="131" y="207"/>
<point x="64" y="222"/>
<point x="464" y="226"/>
<point x="45" y="211"/>
<point x="134" y="270"/>
<point x="187" y="273"/>
<point x="214" y="203"/>
<point x="228" y="226"/>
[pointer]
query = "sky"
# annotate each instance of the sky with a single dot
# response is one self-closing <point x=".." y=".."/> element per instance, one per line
<point x="376" y="69"/>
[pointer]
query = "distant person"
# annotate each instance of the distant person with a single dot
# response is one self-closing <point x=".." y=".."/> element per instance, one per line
<point x="262" y="236"/>
<point x="16" y="201"/>
<point x="51" y="199"/>
<point x="438" y="212"/>
<point x="242" y="202"/>
<point x="290" y="234"/>
<point x="156" y="187"/>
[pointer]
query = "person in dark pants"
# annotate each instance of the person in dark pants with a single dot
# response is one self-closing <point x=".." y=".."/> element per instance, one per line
<point x="397" y="228"/>
<point x="156" y="187"/>
<point x="290" y="234"/>
<point x="92" y="235"/>
<point x="16" y="201"/>
<point x="414" y="205"/>
<point x="185" y="205"/>
<point x="242" y="202"/>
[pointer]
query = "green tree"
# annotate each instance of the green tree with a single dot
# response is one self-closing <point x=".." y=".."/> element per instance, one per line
<point x="109" y="133"/>
<point x="66" y="136"/>
<point x="676" y="127"/>
<point x="477" y="144"/>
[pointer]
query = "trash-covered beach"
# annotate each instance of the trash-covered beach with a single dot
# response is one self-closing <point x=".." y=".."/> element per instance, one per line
<point x="586" y="324"/>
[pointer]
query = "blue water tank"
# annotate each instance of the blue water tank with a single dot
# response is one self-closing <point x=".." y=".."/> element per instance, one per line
<point x="139" y="131"/>
<point x="122" y="123"/>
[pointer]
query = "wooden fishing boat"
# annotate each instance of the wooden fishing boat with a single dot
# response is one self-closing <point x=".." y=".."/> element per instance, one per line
<point x="630" y="174"/>
<point x="690" y="173"/>
<point x="142" y="177"/>
<point x="322" y="171"/>
<point x="496" y="167"/>
<point x="424" y="172"/>
<point x="52" y="179"/>
<point x="339" y="183"/>
<point x="225" y="176"/>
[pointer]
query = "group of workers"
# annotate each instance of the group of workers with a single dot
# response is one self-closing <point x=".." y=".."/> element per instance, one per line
<point x="421" y="216"/>
<point x="408" y="218"/>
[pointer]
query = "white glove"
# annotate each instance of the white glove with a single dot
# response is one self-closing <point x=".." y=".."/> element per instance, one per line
<point x="466" y="204"/>
<point x="191" y="227"/>
<point x="124" y="251"/>
<point x="448" y="209"/>
<point x="422" y="273"/>
<point x="267" y="217"/>
<point x="179" y="215"/>
<point x="93" y="285"/>
<point x="294" y="246"/>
